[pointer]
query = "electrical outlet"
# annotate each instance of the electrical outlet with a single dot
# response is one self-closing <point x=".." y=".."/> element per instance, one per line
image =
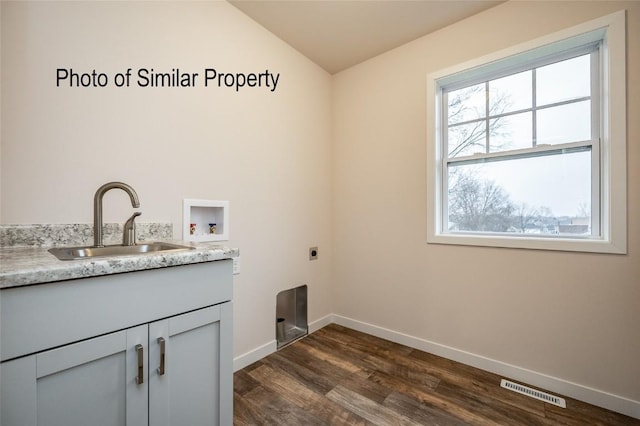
<point x="313" y="253"/>
<point x="236" y="265"/>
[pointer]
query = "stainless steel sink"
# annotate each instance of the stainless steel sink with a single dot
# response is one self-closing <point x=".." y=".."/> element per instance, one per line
<point x="74" y="253"/>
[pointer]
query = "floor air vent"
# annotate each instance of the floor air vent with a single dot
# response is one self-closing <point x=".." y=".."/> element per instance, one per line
<point x="542" y="396"/>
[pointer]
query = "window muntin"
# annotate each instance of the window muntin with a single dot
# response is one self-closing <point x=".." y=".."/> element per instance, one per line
<point x="523" y="151"/>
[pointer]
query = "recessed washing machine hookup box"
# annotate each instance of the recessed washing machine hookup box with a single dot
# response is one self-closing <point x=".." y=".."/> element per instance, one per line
<point x="205" y="220"/>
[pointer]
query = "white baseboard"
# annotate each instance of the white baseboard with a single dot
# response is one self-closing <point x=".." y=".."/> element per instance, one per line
<point x="268" y="348"/>
<point x="573" y="390"/>
<point x="322" y="322"/>
<point x="254" y="355"/>
<point x="596" y="397"/>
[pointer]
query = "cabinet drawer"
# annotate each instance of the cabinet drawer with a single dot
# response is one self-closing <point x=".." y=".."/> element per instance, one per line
<point x="44" y="316"/>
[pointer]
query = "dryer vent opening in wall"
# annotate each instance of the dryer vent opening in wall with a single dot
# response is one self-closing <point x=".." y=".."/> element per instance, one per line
<point x="291" y="315"/>
<point x="533" y="393"/>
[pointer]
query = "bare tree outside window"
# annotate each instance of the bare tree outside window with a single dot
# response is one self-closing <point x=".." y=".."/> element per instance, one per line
<point x="478" y="204"/>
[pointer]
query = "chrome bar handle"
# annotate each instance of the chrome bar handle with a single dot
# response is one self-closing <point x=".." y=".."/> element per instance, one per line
<point x="140" y="353"/>
<point x="161" y="342"/>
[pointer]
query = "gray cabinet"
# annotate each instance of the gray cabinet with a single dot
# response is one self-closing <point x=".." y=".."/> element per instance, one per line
<point x="172" y="368"/>
<point x="90" y="382"/>
<point x="186" y="383"/>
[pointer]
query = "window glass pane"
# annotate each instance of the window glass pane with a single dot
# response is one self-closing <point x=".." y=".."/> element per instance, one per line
<point x="546" y="195"/>
<point x="563" y="80"/>
<point x="511" y="93"/>
<point x="511" y="132"/>
<point x="564" y="123"/>
<point x="467" y="139"/>
<point x="467" y="104"/>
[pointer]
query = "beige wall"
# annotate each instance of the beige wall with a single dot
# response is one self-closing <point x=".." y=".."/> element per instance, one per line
<point x="573" y="316"/>
<point x="267" y="153"/>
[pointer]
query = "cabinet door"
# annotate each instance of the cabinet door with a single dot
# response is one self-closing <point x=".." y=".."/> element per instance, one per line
<point x="195" y="387"/>
<point x="92" y="382"/>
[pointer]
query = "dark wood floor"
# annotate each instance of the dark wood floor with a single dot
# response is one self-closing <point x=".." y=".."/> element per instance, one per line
<point x="343" y="377"/>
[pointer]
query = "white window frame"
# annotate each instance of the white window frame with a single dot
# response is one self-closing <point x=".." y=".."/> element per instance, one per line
<point x="612" y="214"/>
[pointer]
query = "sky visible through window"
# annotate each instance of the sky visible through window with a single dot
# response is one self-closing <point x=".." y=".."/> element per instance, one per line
<point x="561" y="183"/>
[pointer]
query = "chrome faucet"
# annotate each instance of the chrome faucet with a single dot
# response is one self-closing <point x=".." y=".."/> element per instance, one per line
<point x="97" y="209"/>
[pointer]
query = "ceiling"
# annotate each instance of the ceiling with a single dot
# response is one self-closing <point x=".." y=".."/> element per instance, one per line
<point x="337" y="34"/>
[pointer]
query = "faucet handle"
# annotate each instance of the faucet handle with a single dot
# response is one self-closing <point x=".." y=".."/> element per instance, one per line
<point x="129" y="234"/>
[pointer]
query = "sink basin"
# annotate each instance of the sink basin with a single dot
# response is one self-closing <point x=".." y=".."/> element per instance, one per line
<point x="73" y="253"/>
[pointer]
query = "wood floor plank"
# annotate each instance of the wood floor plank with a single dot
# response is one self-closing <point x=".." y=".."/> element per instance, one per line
<point x="475" y="381"/>
<point x="360" y="383"/>
<point x="362" y="345"/>
<point x="314" y="378"/>
<point x="368" y="409"/>
<point x="484" y="404"/>
<point x="300" y="356"/>
<point x="432" y="399"/>
<point x="420" y="412"/>
<point x="335" y="359"/>
<point x="243" y="382"/>
<point x="339" y="376"/>
<point x="402" y="366"/>
<point x="374" y="343"/>
<point x="269" y="408"/>
<point x="579" y="413"/>
<point x="316" y="405"/>
<point x="337" y="353"/>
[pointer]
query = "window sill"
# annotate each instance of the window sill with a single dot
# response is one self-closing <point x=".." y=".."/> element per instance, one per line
<point x="532" y="243"/>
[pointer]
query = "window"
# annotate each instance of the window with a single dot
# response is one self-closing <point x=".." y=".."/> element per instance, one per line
<point x="527" y="146"/>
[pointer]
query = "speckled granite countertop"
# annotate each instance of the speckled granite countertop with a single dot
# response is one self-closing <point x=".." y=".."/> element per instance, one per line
<point x="24" y="264"/>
